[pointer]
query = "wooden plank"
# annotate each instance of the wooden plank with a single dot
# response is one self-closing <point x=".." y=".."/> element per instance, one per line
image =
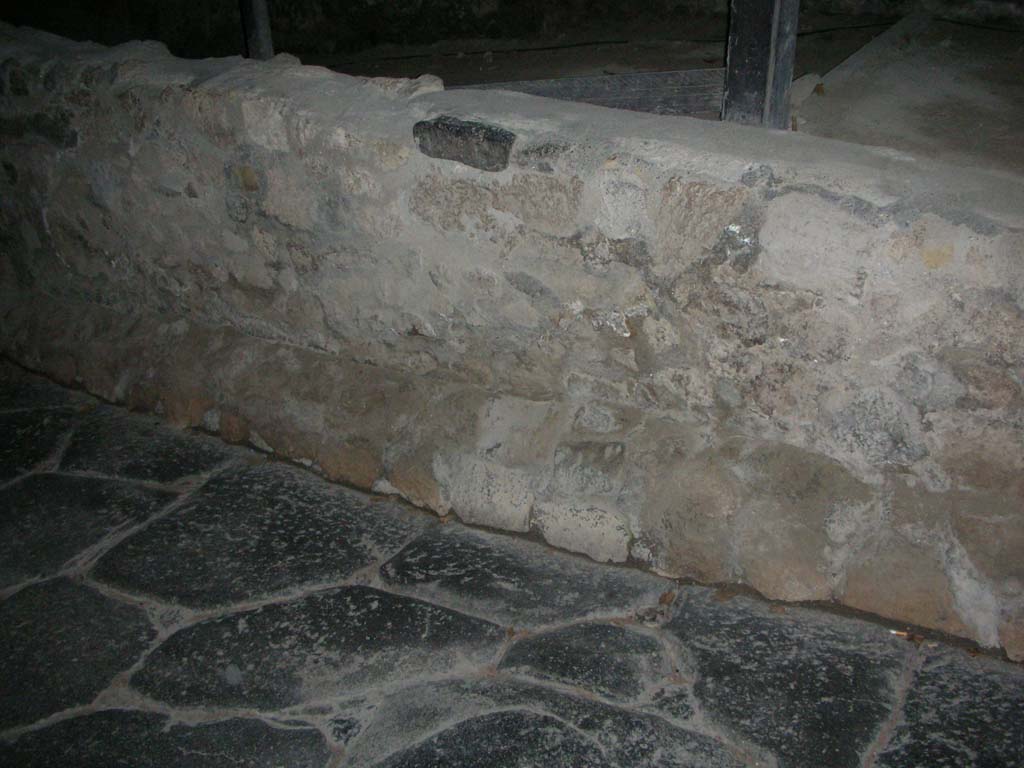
<point x="256" y="28"/>
<point x="692" y="92"/>
<point x="759" y="62"/>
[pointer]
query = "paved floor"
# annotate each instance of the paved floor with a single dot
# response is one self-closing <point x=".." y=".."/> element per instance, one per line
<point x="170" y="601"/>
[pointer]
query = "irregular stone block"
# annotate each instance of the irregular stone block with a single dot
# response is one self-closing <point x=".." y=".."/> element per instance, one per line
<point x="478" y="145"/>
<point x="811" y="688"/>
<point x="331" y="643"/>
<point x="112" y="443"/>
<point x="484" y="492"/>
<point x="603" y="658"/>
<point x="512" y="719"/>
<point x="49" y="519"/>
<point x="601" y="535"/>
<point x="31" y="437"/>
<point x="53" y="127"/>
<point x="251" y="532"/>
<point x="514" y="582"/>
<point x="959" y="711"/>
<point x="63" y="644"/>
<point x="150" y="740"/>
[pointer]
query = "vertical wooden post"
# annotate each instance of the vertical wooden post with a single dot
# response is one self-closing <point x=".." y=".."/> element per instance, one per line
<point x="256" y="26"/>
<point x="759" y="63"/>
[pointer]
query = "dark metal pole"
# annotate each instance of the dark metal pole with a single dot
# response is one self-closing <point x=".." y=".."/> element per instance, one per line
<point x="759" y="63"/>
<point x="256" y="25"/>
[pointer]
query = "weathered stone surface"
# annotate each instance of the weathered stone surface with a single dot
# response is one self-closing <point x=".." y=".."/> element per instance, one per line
<point x="251" y="532"/>
<point x="48" y="519"/>
<point x="149" y="740"/>
<point x="598" y="533"/>
<point x="20" y="390"/>
<point x="475" y="144"/>
<point x="261" y="249"/>
<point x="515" y="583"/>
<point x="328" y="644"/>
<point x="63" y="644"/>
<point x="606" y="659"/>
<point x="31" y="437"/>
<point x="412" y="727"/>
<point x="142" y="449"/>
<point x="959" y="711"/>
<point x="812" y="689"/>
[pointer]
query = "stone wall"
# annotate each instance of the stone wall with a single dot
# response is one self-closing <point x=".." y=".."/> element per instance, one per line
<point x="717" y="352"/>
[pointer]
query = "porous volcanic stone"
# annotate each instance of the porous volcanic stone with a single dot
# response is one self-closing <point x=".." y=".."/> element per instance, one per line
<point x="515" y="582"/>
<point x="602" y="658"/>
<point x="148" y="740"/>
<point x="47" y="519"/>
<point x="322" y="646"/>
<point x="62" y="644"/>
<point x="960" y="711"/>
<point x="814" y="689"/>
<point x="477" y="145"/>
<point x="30" y="437"/>
<point x="253" y="531"/>
<point x="483" y="722"/>
<point x="111" y="442"/>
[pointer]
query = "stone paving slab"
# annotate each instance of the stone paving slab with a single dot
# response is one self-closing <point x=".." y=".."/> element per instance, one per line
<point x="812" y="688"/>
<point x="323" y="646"/>
<point x="442" y="724"/>
<point x="21" y="391"/>
<point x="148" y="740"/>
<point x="960" y="711"/>
<point x="48" y="519"/>
<point x="605" y="659"/>
<point x="111" y="442"/>
<point x="253" y="531"/>
<point x="63" y="643"/>
<point x="514" y="582"/>
<point x="31" y="437"/>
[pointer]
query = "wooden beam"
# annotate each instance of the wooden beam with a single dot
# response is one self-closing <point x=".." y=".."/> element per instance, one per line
<point x="256" y="27"/>
<point x="759" y="62"/>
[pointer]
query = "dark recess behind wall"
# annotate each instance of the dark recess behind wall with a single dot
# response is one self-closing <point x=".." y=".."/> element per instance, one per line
<point x="196" y="28"/>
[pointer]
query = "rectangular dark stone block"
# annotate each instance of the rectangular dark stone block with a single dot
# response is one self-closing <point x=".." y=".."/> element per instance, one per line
<point x="477" y="145"/>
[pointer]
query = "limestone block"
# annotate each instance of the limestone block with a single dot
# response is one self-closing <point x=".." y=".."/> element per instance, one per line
<point x="598" y="533"/>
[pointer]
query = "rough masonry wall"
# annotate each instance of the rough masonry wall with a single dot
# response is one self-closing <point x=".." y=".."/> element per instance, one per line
<point x="718" y="352"/>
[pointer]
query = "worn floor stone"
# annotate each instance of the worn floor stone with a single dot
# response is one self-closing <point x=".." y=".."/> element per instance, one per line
<point x="444" y="724"/>
<point x="328" y="644"/>
<point x="148" y="740"/>
<point x="62" y="644"/>
<point x="516" y="582"/>
<point x="602" y="658"/>
<point x="48" y="519"/>
<point x="21" y="391"/>
<point x="253" y="531"/>
<point x="813" y="689"/>
<point x="31" y="437"/>
<point x="960" y="711"/>
<point x="415" y="663"/>
<point x="110" y="442"/>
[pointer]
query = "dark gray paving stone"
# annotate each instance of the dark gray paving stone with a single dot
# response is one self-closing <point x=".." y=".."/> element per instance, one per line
<point x="146" y="740"/>
<point x="516" y="582"/>
<point x="499" y="739"/>
<point x="603" y="658"/>
<point x="112" y="442"/>
<point x="812" y="688"/>
<point x="30" y="437"/>
<point x="482" y="722"/>
<point x="254" y="531"/>
<point x="62" y="644"/>
<point x="47" y="519"/>
<point x="316" y="648"/>
<point x="21" y="390"/>
<point x="960" y="712"/>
